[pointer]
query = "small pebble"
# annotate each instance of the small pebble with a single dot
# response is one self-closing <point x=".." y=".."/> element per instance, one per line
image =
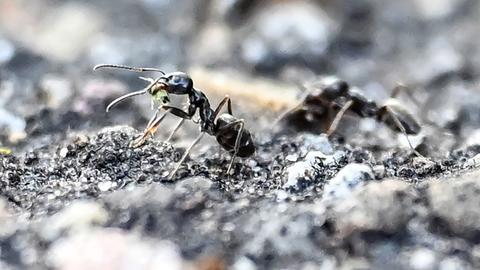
<point x="104" y="186"/>
<point x="473" y="162"/>
<point x="423" y="259"/>
<point x="347" y="179"/>
<point x="63" y="152"/>
<point x="7" y="51"/>
<point x="59" y="90"/>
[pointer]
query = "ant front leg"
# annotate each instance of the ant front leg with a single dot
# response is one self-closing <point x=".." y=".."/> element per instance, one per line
<point x="151" y="128"/>
<point x="338" y="117"/>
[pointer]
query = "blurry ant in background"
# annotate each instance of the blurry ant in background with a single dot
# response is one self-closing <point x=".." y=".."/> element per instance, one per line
<point x="227" y="129"/>
<point x="330" y="98"/>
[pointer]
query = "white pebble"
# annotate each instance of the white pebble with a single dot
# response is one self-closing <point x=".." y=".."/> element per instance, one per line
<point x="348" y="178"/>
<point x="422" y="259"/>
<point x="104" y="186"/>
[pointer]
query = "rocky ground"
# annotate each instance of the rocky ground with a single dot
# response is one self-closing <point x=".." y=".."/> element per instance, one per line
<point x="75" y="195"/>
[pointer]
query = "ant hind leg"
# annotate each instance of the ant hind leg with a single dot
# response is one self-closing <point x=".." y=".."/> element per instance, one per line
<point x="237" y="142"/>
<point x="227" y="100"/>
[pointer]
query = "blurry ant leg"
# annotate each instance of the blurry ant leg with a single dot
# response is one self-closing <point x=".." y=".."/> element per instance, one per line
<point x="172" y="174"/>
<point x="288" y="111"/>
<point x="150" y="129"/>
<point x="338" y="117"/>
<point x="402" y="129"/>
<point x="400" y="87"/>
<point x="179" y="124"/>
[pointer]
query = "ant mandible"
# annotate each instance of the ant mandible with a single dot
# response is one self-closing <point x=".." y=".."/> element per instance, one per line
<point x="229" y="131"/>
<point x="332" y="96"/>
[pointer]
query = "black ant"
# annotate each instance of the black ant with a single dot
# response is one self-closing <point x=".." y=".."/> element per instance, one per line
<point x="227" y="129"/>
<point x="331" y="97"/>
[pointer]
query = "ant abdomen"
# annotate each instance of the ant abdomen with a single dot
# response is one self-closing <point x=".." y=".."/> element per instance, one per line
<point x="227" y="129"/>
<point x="329" y="88"/>
<point x="394" y="111"/>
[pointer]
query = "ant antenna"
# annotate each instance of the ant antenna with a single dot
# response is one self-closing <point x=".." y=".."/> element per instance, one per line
<point x="129" y="95"/>
<point x="136" y="93"/>
<point x="136" y="69"/>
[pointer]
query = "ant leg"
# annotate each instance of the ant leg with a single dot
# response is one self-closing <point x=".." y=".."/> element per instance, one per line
<point x="237" y="143"/>
<point x="178" y="112"/>
<point x="338" y="117"/>
<point x="400" y="87"/>
<point x="238" y="139"/>
<point x="150" y="129"/>
<point x="175" y="129"/>
<point x="136" y="69"/>
<point x="288" y="111"/>
<point x="172" y="174"/>
<point x="227" y="100"/>
<point x="402" y="128"/>
<point x="150" y="122"/>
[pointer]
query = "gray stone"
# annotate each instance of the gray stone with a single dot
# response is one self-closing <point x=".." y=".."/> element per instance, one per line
<point x="78" y="216"/>
<point x="7" y="50"/>
<point x="104" y="249"/>
<point x="453" y="200"/>
<point x="379" y="206"/>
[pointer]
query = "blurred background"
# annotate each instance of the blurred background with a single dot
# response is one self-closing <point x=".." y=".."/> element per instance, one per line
<point x="48" y="49"/>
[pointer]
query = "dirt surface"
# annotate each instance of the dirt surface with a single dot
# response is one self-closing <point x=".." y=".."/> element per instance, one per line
<point x="75" y="195"/>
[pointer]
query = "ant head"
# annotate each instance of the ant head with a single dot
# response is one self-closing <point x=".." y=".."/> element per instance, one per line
<point x="329" y="88"/>
<point x="178" y="83"/>
<point x="156" y="88"/>
<point x="334" y="87"/>
<point x="362" y="106"/>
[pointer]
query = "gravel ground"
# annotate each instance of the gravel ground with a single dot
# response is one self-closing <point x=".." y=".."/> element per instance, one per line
<point x="75" y="195"/>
